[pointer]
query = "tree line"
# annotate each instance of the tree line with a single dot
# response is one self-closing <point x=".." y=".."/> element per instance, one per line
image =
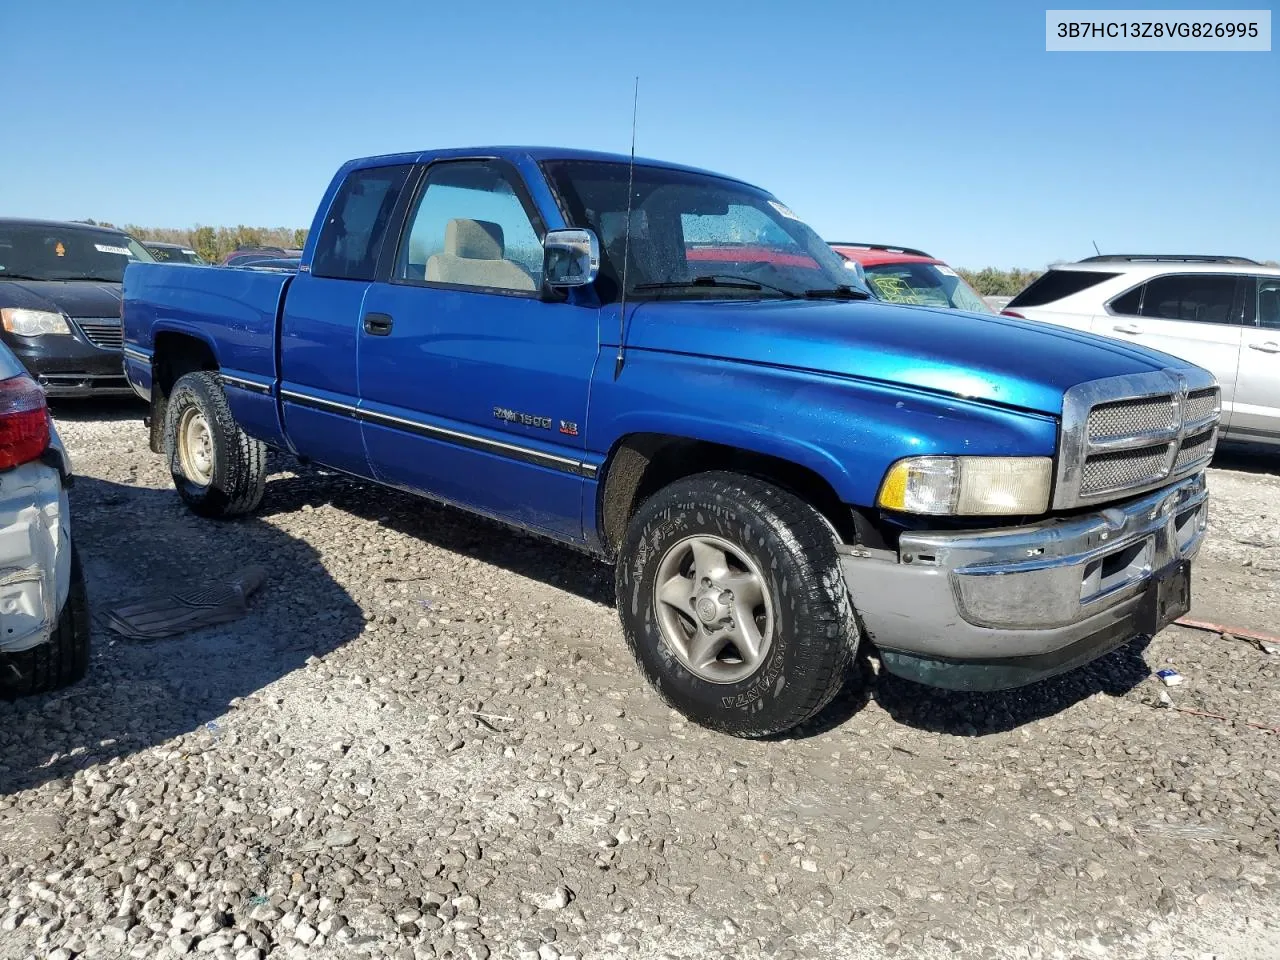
<point x="214" y="243"/>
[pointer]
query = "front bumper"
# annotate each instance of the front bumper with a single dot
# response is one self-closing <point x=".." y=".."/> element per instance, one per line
<point x="70" y="365"/>
<point x="35" y="554"/>
<point x="1000" y="608"/>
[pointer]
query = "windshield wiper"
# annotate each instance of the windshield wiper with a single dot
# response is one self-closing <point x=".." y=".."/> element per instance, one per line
<point x="723" y="281"/>
<point x="842" y="292"/>
<point x="97" y="279"/>
<point x="18" y="276"/>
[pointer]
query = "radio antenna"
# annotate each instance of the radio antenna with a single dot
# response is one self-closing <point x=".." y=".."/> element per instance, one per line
<point x="626" y="237"/>
<point x="1095" y="248"/>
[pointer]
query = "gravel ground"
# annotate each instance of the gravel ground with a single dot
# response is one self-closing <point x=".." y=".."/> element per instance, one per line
<point x="428" y="740"/>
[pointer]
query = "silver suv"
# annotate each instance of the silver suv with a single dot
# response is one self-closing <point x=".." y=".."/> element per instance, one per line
<point x="1222" y="313"/>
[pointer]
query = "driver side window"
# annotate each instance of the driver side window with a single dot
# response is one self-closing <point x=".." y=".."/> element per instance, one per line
<point x="471" y="229"/>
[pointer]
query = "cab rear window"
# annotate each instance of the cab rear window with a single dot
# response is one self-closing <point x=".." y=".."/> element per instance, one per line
<point x="1056" y="285"/>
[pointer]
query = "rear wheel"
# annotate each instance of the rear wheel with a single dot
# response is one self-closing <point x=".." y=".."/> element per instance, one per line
<point x="732" y="601"/>
<point x="63" y="660"/>
<point x="218" y="469"/>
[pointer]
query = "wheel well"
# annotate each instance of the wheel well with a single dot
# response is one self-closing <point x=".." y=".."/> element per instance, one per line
<point x="175" y="354"/>
<point x="644" y="463"/>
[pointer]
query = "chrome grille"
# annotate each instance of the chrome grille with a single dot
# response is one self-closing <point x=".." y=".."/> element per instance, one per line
<point x="1194" y="450"/>
<point x="1124" y="435"/>
<point x="1201" y="405"/>
<point x="1125" y="418"/>
<point x="1124" y="469"/>
<point x="104" y="332"/>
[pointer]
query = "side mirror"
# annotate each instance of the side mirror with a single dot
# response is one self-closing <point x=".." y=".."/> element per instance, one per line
<point x="570" y="258"/>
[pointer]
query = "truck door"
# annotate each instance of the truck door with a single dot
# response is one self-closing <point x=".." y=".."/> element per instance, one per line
<point x="473" y="389"/>
<point x="322" y="315"/>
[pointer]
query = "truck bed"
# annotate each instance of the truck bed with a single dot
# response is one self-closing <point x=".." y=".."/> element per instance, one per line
<point x="234" y="311"/>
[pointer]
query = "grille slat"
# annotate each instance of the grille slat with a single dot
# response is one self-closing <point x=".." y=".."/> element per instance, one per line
<point x="1201" y="405"/>
<point x="1194" y="450"/>
<point x="1129" y="417"/>
<point x="103" y="332"/>
<point x="1124" y="469"/>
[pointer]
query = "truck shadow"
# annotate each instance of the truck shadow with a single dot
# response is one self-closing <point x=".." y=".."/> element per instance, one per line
<point x="139" y="542"/>
<point x="980" y="714"/>
<point x="926" y="708"/>
<point x="445" y="527"/>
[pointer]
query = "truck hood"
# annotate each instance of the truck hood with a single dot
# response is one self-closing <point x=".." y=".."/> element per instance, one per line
<point x="75" y="298"/>
<point x="1016" y="363"/>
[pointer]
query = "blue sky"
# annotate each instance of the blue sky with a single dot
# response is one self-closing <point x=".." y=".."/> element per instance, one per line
<point x="940" y="125"/>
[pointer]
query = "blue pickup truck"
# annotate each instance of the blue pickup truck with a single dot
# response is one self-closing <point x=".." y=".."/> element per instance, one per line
<point x="779" y="467"/>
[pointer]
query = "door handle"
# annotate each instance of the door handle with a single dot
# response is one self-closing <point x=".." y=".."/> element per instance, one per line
<point x="377" y="324"/>
<point x="1269" y="346"/>
<point x="1127" y="328"/>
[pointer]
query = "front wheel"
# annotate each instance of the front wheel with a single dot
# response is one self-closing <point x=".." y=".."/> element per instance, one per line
<point x="218" y="469"/>
<point x="732" y="601"/>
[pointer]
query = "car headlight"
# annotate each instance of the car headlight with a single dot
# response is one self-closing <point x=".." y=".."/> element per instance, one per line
<point x="968" y="486"/>
<point x="32" y="323"/>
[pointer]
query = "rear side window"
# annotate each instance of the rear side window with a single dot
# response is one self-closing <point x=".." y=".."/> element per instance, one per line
<point x="1129" y="304"/>
<point x="1199" y="298"/>
<point x="1057" y="284"/>
<point x="1269" y="303"/>
<point x="351" y="238"/>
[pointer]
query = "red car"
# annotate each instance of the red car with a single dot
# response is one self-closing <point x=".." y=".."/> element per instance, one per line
<point x="904" y="275"/>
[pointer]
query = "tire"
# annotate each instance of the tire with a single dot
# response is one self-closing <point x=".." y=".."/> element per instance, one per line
<point x="62" y="661"/>
<point x="236" y="474"/>
<point x="805" y="628"/>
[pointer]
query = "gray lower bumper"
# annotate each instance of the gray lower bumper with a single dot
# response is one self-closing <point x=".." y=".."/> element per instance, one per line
<point x="1004" y="607"/>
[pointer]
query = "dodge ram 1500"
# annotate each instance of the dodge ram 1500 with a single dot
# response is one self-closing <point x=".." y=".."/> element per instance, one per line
<point x="779" y="467"/>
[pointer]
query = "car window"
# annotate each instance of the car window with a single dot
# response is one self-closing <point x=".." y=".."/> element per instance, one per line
<point x="351" y="238"/>
<point x="1128" y="304"/>
<point x="1057" y="284"/>
<point x="1199" y="298"/>
<point x="1269" y="303"/>
<point x="470" y="228"/>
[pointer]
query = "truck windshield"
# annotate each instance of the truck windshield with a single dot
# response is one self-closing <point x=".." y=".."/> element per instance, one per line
<point x="51" y="252"/>
<point x="923" y="284"/>
<point x="694" y="236"/>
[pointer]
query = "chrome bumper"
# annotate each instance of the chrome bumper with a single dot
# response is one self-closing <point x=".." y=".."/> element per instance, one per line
<point x="1015" y="605"/>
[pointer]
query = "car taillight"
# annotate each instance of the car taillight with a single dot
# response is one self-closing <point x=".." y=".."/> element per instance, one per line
<point x="24" y="421"/>
<point x="1012" y="313"/>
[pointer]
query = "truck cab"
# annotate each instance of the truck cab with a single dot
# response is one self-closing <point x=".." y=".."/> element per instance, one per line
<point x="779" y="467"/>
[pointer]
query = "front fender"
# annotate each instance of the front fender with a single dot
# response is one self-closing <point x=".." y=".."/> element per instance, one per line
<point x="846" y="430"/>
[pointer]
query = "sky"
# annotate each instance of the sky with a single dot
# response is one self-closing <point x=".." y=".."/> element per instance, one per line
<point x="945" y="126"/>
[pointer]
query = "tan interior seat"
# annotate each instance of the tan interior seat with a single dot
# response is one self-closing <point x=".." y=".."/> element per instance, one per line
<point x="473" y="257"/>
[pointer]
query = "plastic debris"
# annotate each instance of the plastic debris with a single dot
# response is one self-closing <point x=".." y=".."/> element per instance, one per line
<point x="1169" y="677"/>
<point x="182" y="612"/>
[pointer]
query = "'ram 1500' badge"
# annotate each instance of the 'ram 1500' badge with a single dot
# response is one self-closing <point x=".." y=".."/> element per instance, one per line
<point x="524" y="419"/>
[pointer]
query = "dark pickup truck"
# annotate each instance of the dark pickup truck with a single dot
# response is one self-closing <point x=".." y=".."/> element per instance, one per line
<point x="779" y="467"/>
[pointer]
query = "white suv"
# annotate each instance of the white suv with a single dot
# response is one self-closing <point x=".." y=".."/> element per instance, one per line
<point x="1222" y="313"/>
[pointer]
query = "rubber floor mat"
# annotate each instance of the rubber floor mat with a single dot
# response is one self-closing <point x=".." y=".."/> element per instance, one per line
<point x="189" y="610"/>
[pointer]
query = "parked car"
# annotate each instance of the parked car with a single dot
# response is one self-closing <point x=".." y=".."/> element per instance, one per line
<point x="60" y="303"/>
<point x="246" y="256"/>
<point x="1222" y="313"/>
<point x="44" y="619"/>
<point x="904" y="275"/>
<point x="284" y="263"/>
<point x="172" y="252"/>
<point x="770" y="458"/>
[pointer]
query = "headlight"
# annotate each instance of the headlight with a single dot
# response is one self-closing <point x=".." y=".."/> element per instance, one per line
<point x="32" y="323"/>
<point x="968" y="486"/>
